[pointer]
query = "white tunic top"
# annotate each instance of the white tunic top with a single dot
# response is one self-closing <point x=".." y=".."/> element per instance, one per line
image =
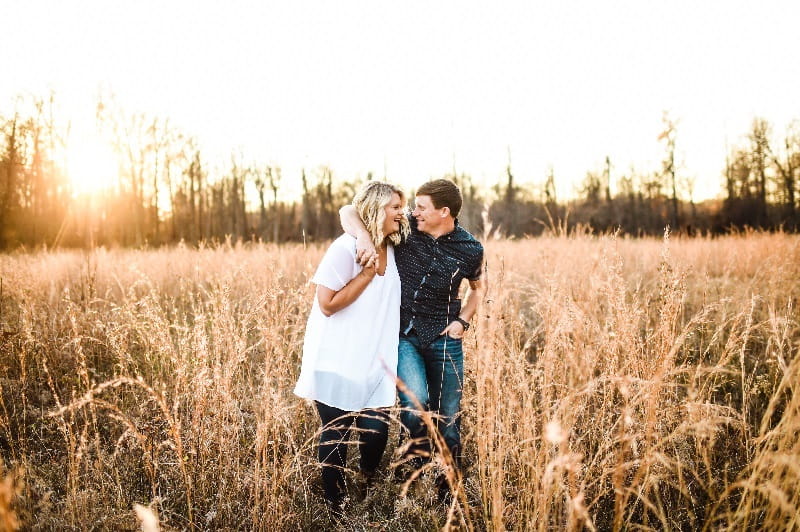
<point x="350" y="357"/>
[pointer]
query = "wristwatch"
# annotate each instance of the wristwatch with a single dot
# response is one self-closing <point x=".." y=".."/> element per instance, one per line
<point x="464" y="323"/>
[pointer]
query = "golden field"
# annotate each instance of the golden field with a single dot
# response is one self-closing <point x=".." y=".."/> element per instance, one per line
<point x="611" y="384"/>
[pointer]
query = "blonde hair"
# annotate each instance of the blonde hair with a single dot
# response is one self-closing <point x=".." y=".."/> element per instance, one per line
<point x="369" y="203"/>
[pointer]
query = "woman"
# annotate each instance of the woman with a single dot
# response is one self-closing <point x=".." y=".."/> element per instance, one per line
<point x="350" y="346"/>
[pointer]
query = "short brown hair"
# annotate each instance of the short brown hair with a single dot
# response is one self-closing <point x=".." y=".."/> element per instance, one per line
<point x="443" y="193"/>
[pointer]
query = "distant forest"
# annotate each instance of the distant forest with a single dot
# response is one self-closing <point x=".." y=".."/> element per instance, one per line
<point x="164" y="192"/>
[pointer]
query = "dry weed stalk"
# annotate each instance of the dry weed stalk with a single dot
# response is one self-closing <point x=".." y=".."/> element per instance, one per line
<point x="610" y="384"/>
<point x="8" y="492"/>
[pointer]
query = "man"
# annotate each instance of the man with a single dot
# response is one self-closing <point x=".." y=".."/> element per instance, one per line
<point x="437" y="256"/>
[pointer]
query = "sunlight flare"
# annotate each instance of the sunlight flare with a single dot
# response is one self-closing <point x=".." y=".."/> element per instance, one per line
<point x="91" y="165"/>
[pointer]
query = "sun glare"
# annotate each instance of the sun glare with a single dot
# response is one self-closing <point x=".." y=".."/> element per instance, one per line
<point x="91" y="165"/>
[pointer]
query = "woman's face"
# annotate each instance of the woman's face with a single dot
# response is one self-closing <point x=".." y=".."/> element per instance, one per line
<point x="394" y="215"/>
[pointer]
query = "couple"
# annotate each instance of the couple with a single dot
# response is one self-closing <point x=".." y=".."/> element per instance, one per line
<point x="400" y="312"/>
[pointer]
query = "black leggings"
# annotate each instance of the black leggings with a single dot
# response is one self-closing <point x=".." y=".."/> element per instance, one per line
<point x="373" y="431"/>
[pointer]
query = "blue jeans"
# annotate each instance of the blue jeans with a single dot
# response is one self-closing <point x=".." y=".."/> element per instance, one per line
<point x="433" y="377"/>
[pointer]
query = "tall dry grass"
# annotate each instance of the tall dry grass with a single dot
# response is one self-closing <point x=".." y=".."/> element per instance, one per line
<point x="610" y="384"/>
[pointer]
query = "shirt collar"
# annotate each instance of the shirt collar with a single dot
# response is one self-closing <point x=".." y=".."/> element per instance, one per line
<point x="446" y="236"/>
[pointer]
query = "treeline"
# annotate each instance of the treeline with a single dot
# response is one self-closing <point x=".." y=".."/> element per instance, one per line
<point x="164" y="191"/>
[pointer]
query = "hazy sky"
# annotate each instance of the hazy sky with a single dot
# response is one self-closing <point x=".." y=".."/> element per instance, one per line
<point x="413" y="86"/>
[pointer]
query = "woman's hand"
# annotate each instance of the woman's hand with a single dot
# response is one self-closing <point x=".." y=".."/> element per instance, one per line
<point x="370" y="268"/>
<point x="365" y="250"/>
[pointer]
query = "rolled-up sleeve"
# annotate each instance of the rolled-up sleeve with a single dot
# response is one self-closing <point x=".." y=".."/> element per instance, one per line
<point x="477" y="271"/>
<point x="336" y="269"/>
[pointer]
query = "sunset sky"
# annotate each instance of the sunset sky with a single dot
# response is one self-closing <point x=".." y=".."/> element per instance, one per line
<point x="416" y="87"/>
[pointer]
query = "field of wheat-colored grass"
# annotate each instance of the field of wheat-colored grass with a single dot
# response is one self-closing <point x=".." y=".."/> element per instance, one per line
<point x="611" y="384"/>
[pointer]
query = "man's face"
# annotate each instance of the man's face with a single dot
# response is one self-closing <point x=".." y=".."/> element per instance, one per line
<point x="429" y="218"/>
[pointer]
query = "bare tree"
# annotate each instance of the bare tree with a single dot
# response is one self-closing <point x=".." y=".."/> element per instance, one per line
<point x="759" y="153"/>
<point x="10" y="166"/>
<point x="550" y="188"/>
<point x="194" y="175"/>
<point x="325" y="211"/>
<point x="306" y="206"/>
<point x="787" y="165"/>
<point x="668" y="165"/>
<point x="274" y="177"/>
<point x="166" y="148"/>
<point x="130" y="140"/>
<point x="178" y="154"/>
<point x="510" y="199"/>
<point x="590" y="188"/>
<point x="260" y="183"/>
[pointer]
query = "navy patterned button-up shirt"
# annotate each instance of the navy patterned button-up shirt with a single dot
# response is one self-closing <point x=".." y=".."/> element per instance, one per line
<point x="431" y="271"/>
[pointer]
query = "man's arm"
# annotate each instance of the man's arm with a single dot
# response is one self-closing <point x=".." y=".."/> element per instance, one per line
<point x="353" y="226"/>
<point x="468" y="309"/>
